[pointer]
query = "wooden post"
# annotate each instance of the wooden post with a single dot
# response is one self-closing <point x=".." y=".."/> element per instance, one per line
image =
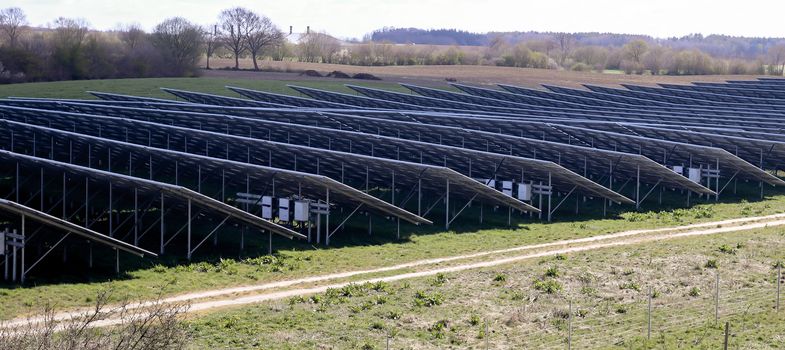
<point x="648" y="333"/>
<point x="717" y="299"/>
<point x="569" y="328"/>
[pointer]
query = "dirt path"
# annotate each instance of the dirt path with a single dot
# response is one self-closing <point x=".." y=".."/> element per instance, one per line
<point x="236" y="296"/>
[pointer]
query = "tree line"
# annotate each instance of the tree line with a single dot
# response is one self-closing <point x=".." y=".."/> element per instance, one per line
<point x="68" y="49"/>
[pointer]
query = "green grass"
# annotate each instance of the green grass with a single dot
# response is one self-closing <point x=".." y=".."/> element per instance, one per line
<point x="146" y="278"/>
<point x="151" y="87"/>
<point x="612" y="315"/>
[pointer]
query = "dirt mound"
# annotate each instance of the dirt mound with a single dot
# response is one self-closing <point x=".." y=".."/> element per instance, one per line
<point x="366" y="76"/>
<point x="311" y="73"/>
<point x="339" y="74"/>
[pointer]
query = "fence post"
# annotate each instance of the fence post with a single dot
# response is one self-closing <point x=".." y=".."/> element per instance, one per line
<point x="717" y="299"/>
<point x="388" y="341"/>
<point x="486" y="334"/>
<point x="727" y="333"/>
<point x="648" y="333"/>
<point x="779" y="282"/>
<point x="569" y="328"/>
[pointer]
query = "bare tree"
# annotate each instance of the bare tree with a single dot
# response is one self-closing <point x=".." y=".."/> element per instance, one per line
<point x="635" y="49"/>
<point x="234" y="25"/>
<point x="70" y="32"/>
<point x="314" y="47"/>
<point x="777" y="59"/>
<point x="12" y="21"/>
<point x="261" y="33"/>
<point x="181" y="42"/>
<point x="212" y="42"/>
<point x="156" y="326"/>
<point x="132" y="35"/>
<point x="565" y="43"/>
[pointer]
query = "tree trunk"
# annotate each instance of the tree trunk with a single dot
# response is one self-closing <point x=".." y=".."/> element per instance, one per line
<point x="253" y="57"/>
<point x="236" y="60"/>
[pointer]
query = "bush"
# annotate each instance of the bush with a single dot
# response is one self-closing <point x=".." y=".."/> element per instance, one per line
<point x="726" y="249"/>
<point x="500" y="277"/>
<point x="438" y="329"/>
<point x="694" y="292"/>
<point x="630" y="286"/>
<point x="425" y="299"/>
<point x="552" y="271"/>
<point x="440" y="279"/>
<point x="548" y="286"/>
<point x="711" y="264"/>
<point x="474" y="320"/>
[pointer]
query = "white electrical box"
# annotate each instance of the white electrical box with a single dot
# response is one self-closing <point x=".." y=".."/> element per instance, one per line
<point x="301" y="210"/>
<point x="695" y="175"/>
<point x="489" y="182"/>
<point x="507" y="188"/>
<point x="678" y="169"/>
<point x="267" y="207"/>
<point x="283" y="209"/>
<point x="525" y="192"/>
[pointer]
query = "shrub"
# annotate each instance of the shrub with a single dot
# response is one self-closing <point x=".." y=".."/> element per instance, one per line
<point x="548" y="286"/>
<point x="438" y="329"/>
<point x="552" y="271"/>
<point x="694" y="292"/>
<point x="425" y="299"/>
<point x="631" y="286"/>
<point x="380" y="286"/>
<point x="500" y="277"/>
<point x="726" y="249"/>
<point x="393" y="315"/>
<point x="440" y="279"/>
<point x="711" y="264"/>
<point x="296" y="300"/>
<point x="474" y="320"/>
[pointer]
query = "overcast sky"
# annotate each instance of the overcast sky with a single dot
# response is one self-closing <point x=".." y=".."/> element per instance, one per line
<point x="353" y="18"/>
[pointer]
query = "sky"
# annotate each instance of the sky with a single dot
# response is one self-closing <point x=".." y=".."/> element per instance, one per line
<point x="354" y="18"/>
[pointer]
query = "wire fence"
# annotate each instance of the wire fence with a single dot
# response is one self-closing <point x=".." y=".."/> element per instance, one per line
<point x="723" y="313"/>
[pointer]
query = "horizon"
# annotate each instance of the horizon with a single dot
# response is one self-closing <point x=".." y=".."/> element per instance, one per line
<point x="354" y="19"/>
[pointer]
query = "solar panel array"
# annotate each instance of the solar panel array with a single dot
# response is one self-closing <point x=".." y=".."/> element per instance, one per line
<point x="146" y="175"/>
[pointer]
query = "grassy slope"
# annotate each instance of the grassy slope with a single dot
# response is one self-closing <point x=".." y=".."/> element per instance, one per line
<point x="150" y="87"/>
<point x="352" y="253"/>
<point x="608" y="288"/>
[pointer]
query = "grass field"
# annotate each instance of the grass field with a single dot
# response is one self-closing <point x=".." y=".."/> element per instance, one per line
<point x="223" y="268"/>
<point x="436" y="75"/>
<point x="151" y="87"/>
<point x="608" y="289"/>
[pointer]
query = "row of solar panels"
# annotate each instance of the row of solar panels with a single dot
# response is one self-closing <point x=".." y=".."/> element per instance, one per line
<point x="380" y="152"/>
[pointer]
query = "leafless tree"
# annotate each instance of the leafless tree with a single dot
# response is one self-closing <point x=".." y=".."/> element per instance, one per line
<point x="12" y="21"/>
<point x="156" y="326"/>
<point x="132" y="36"/>
<point x="262" y="33"/>
<point x="212" y="41"/>
<point x="777" y="59"/>
<point x="234" y="26"/>
<point x="565" y="43"/>
<point x="70" y="32"/>
<point x="315" y="47"/>
<point x="181" y="40"/>
<point x="635" y="49"/>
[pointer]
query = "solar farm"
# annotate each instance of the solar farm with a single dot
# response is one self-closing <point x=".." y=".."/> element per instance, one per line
<point x="95" y="179"/>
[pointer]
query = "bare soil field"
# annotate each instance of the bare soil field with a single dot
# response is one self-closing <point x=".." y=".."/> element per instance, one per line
<point x="437" y="75"/>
